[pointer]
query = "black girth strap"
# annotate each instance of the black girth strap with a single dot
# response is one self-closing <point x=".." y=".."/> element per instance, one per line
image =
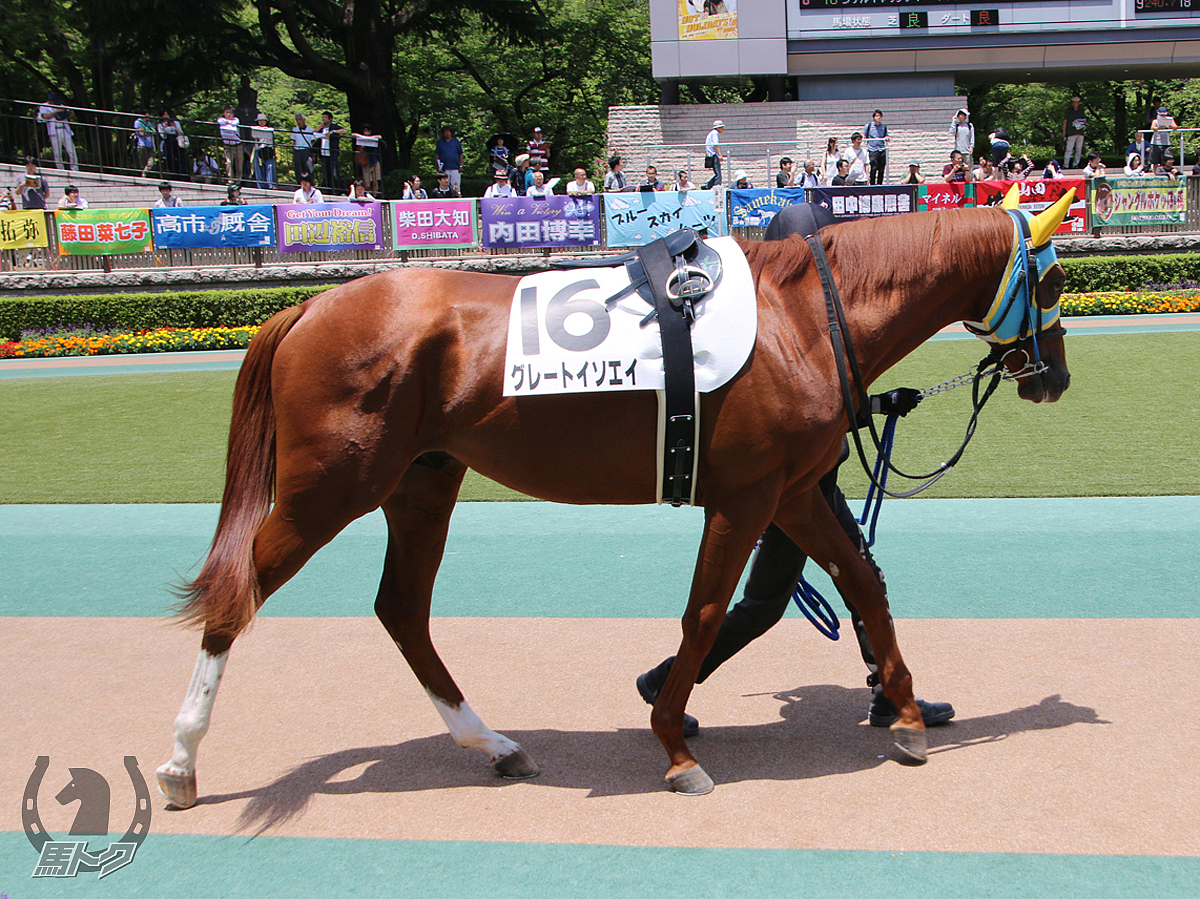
<point x="679" y="378"/>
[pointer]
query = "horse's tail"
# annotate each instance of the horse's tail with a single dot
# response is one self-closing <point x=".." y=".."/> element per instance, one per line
<point x="225" y="594"/>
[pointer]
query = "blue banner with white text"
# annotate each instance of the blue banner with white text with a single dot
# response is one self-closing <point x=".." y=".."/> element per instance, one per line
<point x="756" y="208"/>
<point x="850" y="202"/>
<point x="635" y="219"/>
<point x="181" y="227"/>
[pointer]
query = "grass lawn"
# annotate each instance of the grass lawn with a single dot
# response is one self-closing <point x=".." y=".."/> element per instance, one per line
<point x="1127" y="427"/>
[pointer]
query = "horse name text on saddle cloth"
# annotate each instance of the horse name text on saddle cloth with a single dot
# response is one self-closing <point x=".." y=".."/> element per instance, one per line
<point x="562" y="338"/>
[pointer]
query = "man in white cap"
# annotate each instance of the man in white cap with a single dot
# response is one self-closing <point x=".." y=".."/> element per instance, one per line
<point x="712" y="153"/>
<point x="516" y="177"/>
<point x="963" y="133"/>
<point x="539" y="149"/>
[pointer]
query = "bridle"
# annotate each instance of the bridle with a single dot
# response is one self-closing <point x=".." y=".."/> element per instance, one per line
<point x="1013" y="316"/>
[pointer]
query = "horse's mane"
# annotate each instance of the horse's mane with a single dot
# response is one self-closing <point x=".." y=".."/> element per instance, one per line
<point x="893" y="252"/>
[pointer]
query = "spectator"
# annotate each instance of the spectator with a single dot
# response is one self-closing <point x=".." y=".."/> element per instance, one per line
<point x="443" y="191"/>
<point x="614" y="181"/>
<point x="1137" y="145"/>
<point x="329" y="134"/>
<point x="683" y="181"/>
<point x="166" y="198"/>
<point x="914" y="174"/>
<point x="413" y="190"/>
<point x="302" y="144"/>
<point x="985" y="171"/>
<point x="206" y="169"/>
<point x="1074" y="123"/>
<point x="652" y="181"/>
<point x="516" y="177"/>
<point x="712" y="153"/>
<point x="32" y="187"/>
<point x="539" y="189"/>
<point x="857" y="155"/>
<point x="367" y="157"/>
<point x="231" y="140"/>
<point x="534" y="166"/>
<point x="143" y="141"/>
<point x="174" y="144"/>
<point x="57" y="120"/>
<point x="809" y="177"/>
<point x="448" y="157"/>
<point x="741" y="181"/>
<point x="1016" y="167"/>
<point x="8" y="200"/>
<point x="233" y="196"/>
<point x="580" y="186"/>
<point x="1094" y="167"/>
<point x="1167" y="168"/>
<point x="539" y="150"/>
<point x="499" y="155"/>
<point x="876" y="133"/>
<point x="785" y="177"/>
<point x="306" y="193"/>
<point x="843" y="173"/>
<point x="1133" y="165"/>
<point x="263" y="136"/>
<point x="1001" y="148"/>
<point x="71" y="199"/>
<point x="1051" y="171"/>
<point x="1162" y="126"/>
<point x="830" y="167"/>
<point x="963" y="133"/>
<point x="500" y="186"/>
<point x="359" y="194"/>
<point x="957" y="169"/>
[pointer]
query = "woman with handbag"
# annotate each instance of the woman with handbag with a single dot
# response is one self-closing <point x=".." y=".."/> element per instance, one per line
<point x="174" y="145"/>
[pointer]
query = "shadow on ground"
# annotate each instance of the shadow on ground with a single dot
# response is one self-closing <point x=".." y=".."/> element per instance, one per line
<point x="820" y="733"/>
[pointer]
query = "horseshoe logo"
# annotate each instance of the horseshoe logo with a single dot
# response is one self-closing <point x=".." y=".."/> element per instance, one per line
<point x="36" y="831"/>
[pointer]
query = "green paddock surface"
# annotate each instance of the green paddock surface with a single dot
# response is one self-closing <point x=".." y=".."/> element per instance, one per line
<point x="1127" y="427"/>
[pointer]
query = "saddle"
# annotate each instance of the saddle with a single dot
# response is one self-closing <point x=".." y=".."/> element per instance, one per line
<point x="672" y="274"/>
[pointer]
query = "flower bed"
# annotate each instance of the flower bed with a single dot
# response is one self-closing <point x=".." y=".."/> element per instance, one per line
<point x="80" y="342"/>
<point x="1131" y="302"/>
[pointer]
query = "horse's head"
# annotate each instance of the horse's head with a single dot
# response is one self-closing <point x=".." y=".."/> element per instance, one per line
<point x="1022" y="323"/>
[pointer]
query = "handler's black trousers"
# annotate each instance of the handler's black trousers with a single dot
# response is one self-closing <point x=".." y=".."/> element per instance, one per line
<point x="774" y="572"/>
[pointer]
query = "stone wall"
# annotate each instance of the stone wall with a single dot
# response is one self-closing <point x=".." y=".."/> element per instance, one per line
<point x="758" y="134"/>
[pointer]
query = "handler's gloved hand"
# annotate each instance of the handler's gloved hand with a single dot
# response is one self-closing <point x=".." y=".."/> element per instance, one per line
<point x="900" y="401"/>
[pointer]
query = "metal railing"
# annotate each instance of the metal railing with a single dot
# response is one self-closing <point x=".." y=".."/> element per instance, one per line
<point x="1182" y="132"/>
<point x="105" y="141"/>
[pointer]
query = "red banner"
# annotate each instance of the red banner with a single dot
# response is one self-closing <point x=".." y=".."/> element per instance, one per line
<point x="1038" y="194"/>
<point x="944" y="195"/>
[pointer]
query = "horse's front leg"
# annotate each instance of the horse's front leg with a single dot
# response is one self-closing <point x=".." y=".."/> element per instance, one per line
<point x="724" y="550"/>
<point x="812" y="525"/>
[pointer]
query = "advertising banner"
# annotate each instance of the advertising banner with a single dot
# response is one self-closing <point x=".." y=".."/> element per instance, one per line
<point x="635" y="219"/>
<point x="866" y="200"/>
<point x="756" y="208"/>
<point x="181" y="227"/>
<point x="707" y="19"/>
<point x="550" y="222"/>
<point x="942" y="195"/>
<point x="324" y="227"/>
<point x="444" y="224"/>
<point x="23" y="228"/>
<point x="102" y="232"/>
<point x="1139" y="201"/>
<point x="1038" y="194"/>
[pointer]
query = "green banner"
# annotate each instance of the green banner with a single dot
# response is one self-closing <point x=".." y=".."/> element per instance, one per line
<point x="102" y="232"/>
<point x="1139" y="201"/>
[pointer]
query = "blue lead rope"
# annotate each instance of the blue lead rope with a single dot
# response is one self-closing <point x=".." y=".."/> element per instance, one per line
<point x="807" y="598"/>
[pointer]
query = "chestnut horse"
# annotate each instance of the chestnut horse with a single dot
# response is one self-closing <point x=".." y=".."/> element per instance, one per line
<point x="382" y="392"/>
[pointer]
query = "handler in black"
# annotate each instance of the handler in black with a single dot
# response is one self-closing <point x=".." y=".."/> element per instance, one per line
<point x="778" y="562"/>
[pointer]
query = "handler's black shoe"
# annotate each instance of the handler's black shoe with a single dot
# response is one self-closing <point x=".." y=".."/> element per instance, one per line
<point x="884" y="714"/>
<point x="650" y="683"/>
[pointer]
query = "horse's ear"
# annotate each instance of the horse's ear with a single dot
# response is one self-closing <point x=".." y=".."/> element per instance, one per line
<point x="1045" y="223"/>
<point x="1012" y="199"/>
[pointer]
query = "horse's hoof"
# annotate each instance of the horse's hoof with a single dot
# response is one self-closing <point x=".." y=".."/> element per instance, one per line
<point x="180" y="789"/>
<point x="911" y="742"/>
<point x="516" y="765"/>
<point x="692" y="782"/>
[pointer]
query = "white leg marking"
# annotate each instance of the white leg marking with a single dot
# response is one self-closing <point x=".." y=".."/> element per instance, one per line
<point x="191" y="724"/>
<point x="469" y="731"/>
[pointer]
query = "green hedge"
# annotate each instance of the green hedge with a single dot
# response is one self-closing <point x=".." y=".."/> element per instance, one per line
<point x="142" y="311"/>
<point x="1130" y="272"/>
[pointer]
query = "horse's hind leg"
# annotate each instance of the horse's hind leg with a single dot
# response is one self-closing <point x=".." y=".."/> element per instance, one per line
<point x="418" y="516"/>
